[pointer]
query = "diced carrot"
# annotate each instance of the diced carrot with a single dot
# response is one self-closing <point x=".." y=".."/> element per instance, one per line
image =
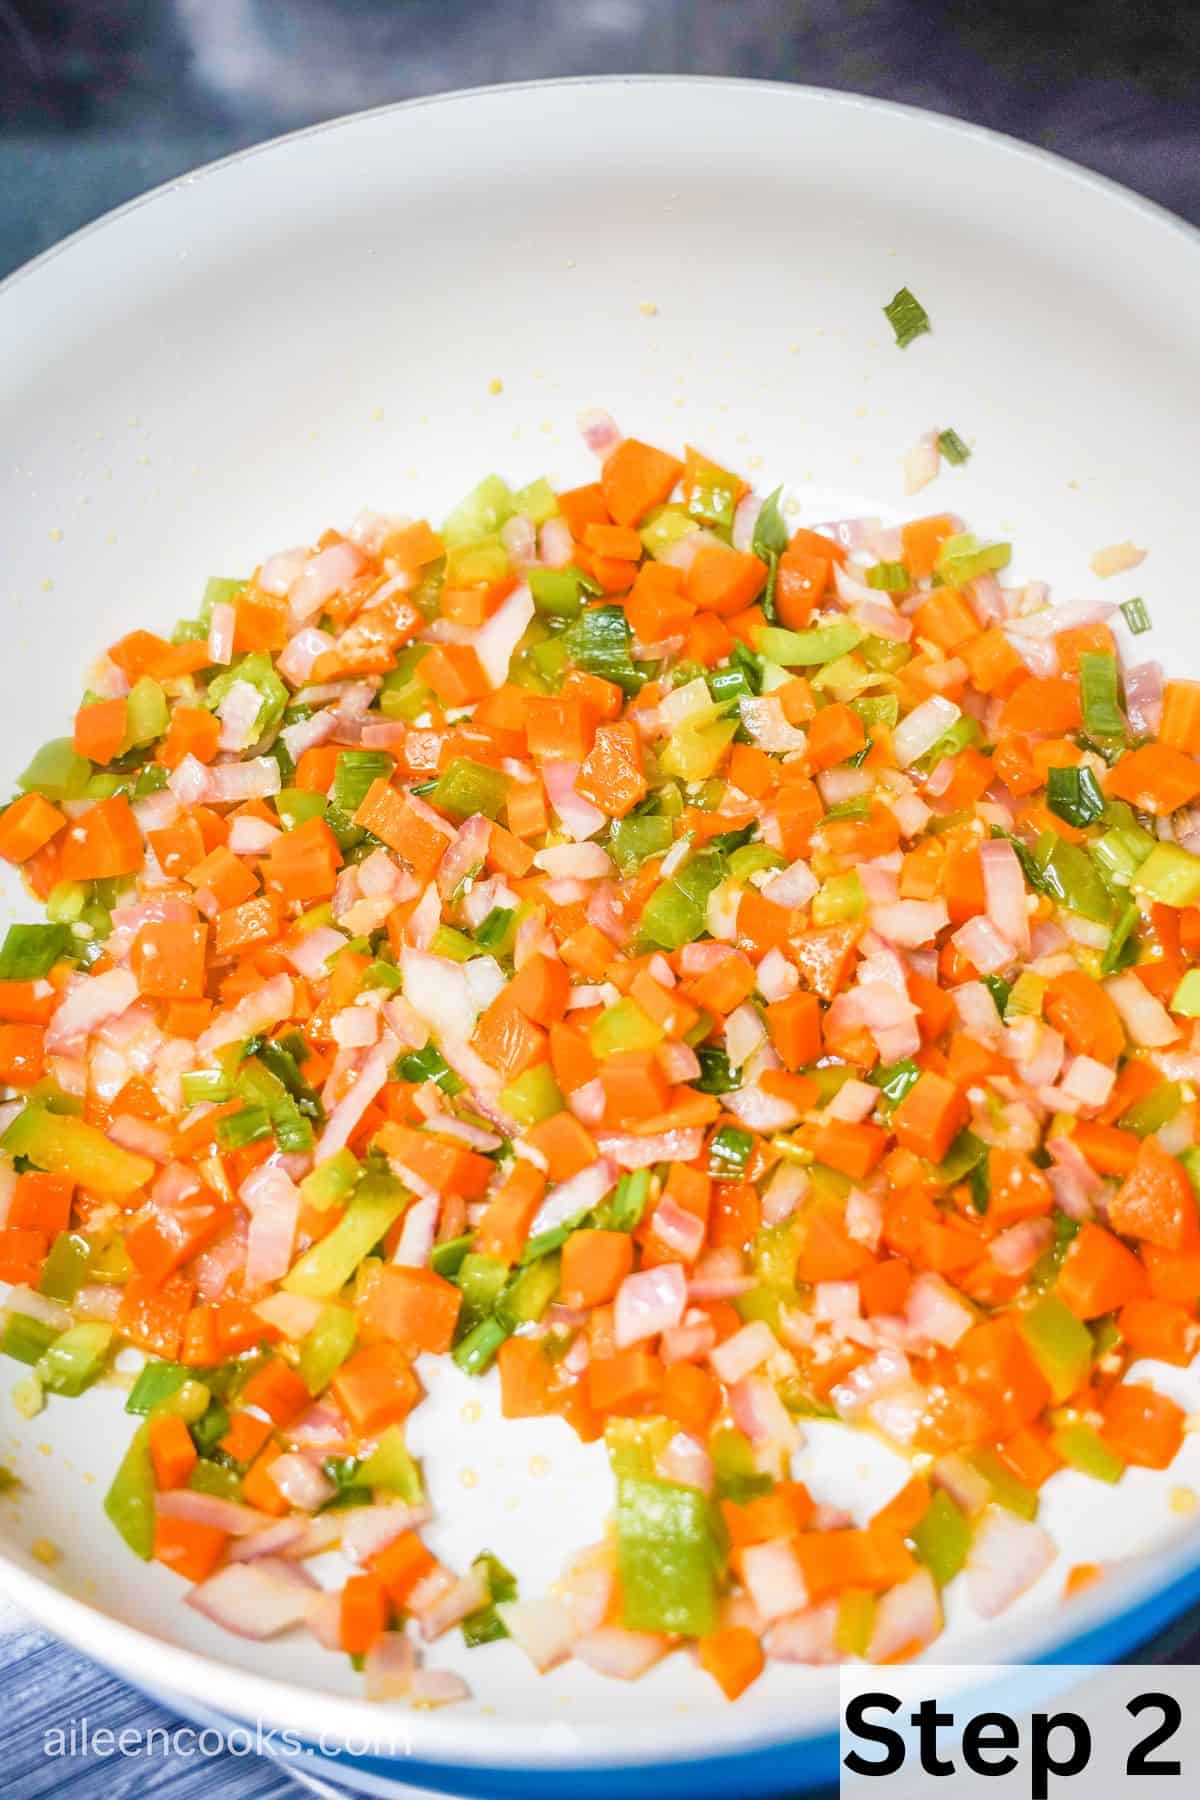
<point x="1159" y="1328"/>
<point x="414" y="1307"/>
<point x="376" y="1387"/>
<point x="594" y="1264"/>
<point x="22" y="1054"/>
<point x="1043" y="704"/>
<point x="836" y="734"/>
<point x="657" y="607"/>
<point x="691" y="1396"/>
<point x="507" y="1039"/>
<point x="1143" y="1427"/>
<point x="1180" y="725"/>
<point x="875" y="1558"/>
<point x="444" y="1163"/>
<point x="733" y="1657"/>
<point x="1156" y="778"/>
<point x="723" y="580"/>
<point x="102" y="843"/>
<point x="1155" y="1201"/>
<point x="626" y="1382"/>
<point x="525" y="1379"/>
<point x="364" y="1612"/>
<point x="193" y="731"/>
<point x="171" y="1451"/>
<point x="303" y="863"/>
<point x="930" y="1116"/>
<point x="152" y="1315"/>
<point x="1098" y="1273"/>
<point x="612" y="775"/>
<point x="41" y="1202"/>
<point x="566" y="1145"/>
<point x="168" y="959"/>
<point x="853" y="1150"/>
<point x="27" y="826"/>
<point x="454" y="673"/>
<point x="401" y="1564"/>
<point x="190" y="1548"/>
<point x="636" y="477"/>
<point x="921" y="539"/>
<point x="801" y="582"/>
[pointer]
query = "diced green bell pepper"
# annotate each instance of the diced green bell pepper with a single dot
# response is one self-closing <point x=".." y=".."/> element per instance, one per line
<point x="1081" y="1447"/>
<point x="529" y="1293"/>
<point x="1155" y="1109"/>
<point x="808" y="649"/>
<point x="66" y="1146"/>
<point x="374" y="1207"/>
<point x="481" y="1280"/>
<point x="465" y="787"/>
<point x="155" y="1385"/>
<point x="1060" y="1344"/>
<point x="147" y="714"/>
<point x="623" y="1027"/>
<point x="668" y="1556"/>
<point x="737" y="1476"/>
<point x="483" y="511"/>
<point x="1007" y="1490"/>
<point x="533" y="1096"/>
<point x="332" y="1181"/>
<point x="942" y="1537"/>
<point x="855" y="1621"/>
<point x="391" y="1465"/>
<point x="57" y="771"/>
<point x="129" y="1502"/>
<point x="66" y="1267"/>
<point x="327" y="1346"/>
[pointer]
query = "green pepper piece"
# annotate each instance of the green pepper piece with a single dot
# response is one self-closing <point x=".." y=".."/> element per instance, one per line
<point x="465" y="787"/>
<point x="1081" y="1447"/>
<point x="67" y="1146"/>
<point x="391" y="1465"/>
<point x="1060" y="1344"/>
<point x="26" y="1340"/>
<point x="327" y="1346"/>
<point x="66" y="1267"/>
<point x="332" y="1182"/>
<point x="31" y="951"/>
<point x="129" y="1502"/>
<point x="1007" y="1490"/>
<point x="375" y="1206"/>
<point x="942" y="1537"/>
<point x="668" y="1556"/>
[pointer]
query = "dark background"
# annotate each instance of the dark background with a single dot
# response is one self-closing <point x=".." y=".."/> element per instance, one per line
<point x="102" y="99"/>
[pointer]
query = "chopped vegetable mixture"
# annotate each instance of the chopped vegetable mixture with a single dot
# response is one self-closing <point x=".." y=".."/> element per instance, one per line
<point x="716" y="974"/>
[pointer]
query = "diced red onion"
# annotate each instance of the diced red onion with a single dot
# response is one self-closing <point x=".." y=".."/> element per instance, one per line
<point x="578" y="817"/>
<point x="807" y="1636"/>
<point x="744" y="1351"/>
<point x="765" y="720"/>
<point x="251" y="1602"/>
<point x="542" y="1628"/>
<point x="1004" y="887"/>
<point x="922" y="462"/>
<point x="498" y="637"/>
<point x="325" y="574"/>
<point x="908" y="1615"/>
<point x="775" y="1580"/>
<point x="1016" y="1249"/>
<point x="678" y="1230"/>
<point x="623" y="1655"/>
<point x="580" y="1193"/>
<point x="556" y="543"/>
<point x="389" y="1667"/>
<point x="919" y="730"/>
<point x="935" y="1311"/>
<point x="689" y="1342"/>
<point x="745" y="518"/>
<point x="1143" y="1015"/>
<point x="777" y="977"/>
<point x="1007" y="1555"/>
<point x="649" y="1302"/>
<point x="910" y="923"/>
<point x="210" y="1509"/>
<point x="222" y="625"/>
<point x="983" y="946"/>
<point x="599" y="430"/>
<point x="519" y="537"/>
<point x="90" y="1001"/>
<point x="629" y="1151"/>
<point x="301" y="1483"/>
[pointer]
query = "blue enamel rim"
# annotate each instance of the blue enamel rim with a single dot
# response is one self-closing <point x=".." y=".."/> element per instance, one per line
<point x="779" y="1770"/>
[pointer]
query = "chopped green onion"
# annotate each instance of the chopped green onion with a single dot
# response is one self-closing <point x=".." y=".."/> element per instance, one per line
<point x="1102" y="715"/>
<point x="729" y="1153"/>
<point x="1074" y="795"/>
<point x="599" y="642"/>
<point x="428" y="1065"/>
<point x="355" y="772"/>
<point x="906" y="316"/>
<point x="31" y="951"/>
<point x="1137" y="615"/>
<point x="952" y="447"/>
<point x="1169" y="875"/>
